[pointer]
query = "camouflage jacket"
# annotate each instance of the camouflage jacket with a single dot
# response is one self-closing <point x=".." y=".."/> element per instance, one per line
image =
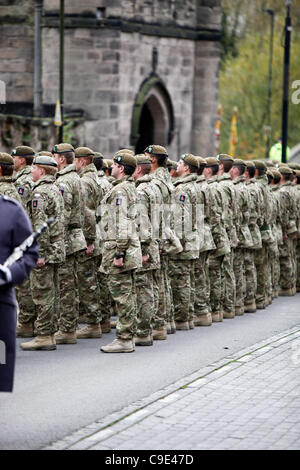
<point x="7" y="188"/>
<point x="149" y="205"/>
<point x="104" y="183"/>
<point x="255" y="212"/>
<point x="186" y="224"/>
<point x="203" y="199"/>
<point x="46" y="201"/>
<point x="289" y="209"/>
<point x="92" y="196"/>
<point x="265" y="228"/>
<point x="23" y="183"/>
<point x="169" y="243"/>
<point x="243" y="204"/>
<point x="231" y="213"/>
<point x="276" y="222"/>
<point x="69" y="185"/>
<point x="119" y="227"/>
<point x="217" y="217"/>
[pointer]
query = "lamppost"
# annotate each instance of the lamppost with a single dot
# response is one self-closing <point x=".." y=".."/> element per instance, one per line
<point x="269" y="127"/>
<point x="61" y="67"/>
<point x="286" y="68"/>
<point x="37" y="95"/>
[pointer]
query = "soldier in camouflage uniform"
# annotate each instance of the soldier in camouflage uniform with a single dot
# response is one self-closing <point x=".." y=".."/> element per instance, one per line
<point x="231" y="222"/>
<point x="163" y="321"/>
<point x="202" y="314"/>
<point x="243" y="233"/>
<point x="298" y="227"/>
<point x="88" y="288"/>
<point x="289" y="228"/>
<point x="216" y="257"/>
<point x="69" y="185"/>
<point x="255" y="221"/>
<point x="23" y="157"/>
<point x="7" y="187"/>
<point x="121" y="254"/>
<point x="262" y="255"/>
<point x="186" y="228"/>
<point x="276" y="231"/>
<point x="46" y="202"/>
<point x="147" y="293"/>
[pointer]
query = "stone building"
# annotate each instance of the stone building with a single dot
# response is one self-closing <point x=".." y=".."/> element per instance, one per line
<point x="136" y="72"/>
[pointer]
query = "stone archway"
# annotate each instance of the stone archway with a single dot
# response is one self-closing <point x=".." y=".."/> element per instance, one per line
<point x="153" y="118"/>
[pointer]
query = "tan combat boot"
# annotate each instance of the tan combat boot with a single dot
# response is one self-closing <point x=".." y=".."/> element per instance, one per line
<point x="105" y="326"/>
<point x="169" y="328"/>
<point x="191" y="324"/>
<point x="159" y="334"/>
<point x="42" y="343"/>
<point x="228" y="315"/>
<point x="250" y="308"/>
<point x="203" y="320"/>
<point x="89" y="331"/>
<point x="239" y="311"/>
<point x="286" y="292"/>
<point x="64" y="337"/>
<point x="25" y="330"/>
<point x="119" y="346"/>
<point x="143" y="340"/>
<point x="173" y="327"/>
<point x="113" y="323"/>
<point x="217" y="317"/>
<point x="182" y="325"/>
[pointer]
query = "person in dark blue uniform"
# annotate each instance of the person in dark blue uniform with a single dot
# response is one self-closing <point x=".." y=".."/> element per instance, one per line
<point x="15" y="227"/>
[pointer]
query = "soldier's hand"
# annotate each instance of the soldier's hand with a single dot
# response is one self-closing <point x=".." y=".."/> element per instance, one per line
<point x="40" y="262"/>
<point x="119" y="262"/>
<point x="145" y="259"/>
<point x="90" y="249"/>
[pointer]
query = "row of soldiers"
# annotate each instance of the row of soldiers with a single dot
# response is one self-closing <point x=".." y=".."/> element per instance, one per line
<point x="163" y="245"/>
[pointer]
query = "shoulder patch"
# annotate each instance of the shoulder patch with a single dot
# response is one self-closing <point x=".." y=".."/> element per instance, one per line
<point x="182" y="197"/>
<point x="22" y="191"/>
<point x="37" y="203"/>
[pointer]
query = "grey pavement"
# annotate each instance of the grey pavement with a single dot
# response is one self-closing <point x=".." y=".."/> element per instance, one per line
<point x="248" y="400"/>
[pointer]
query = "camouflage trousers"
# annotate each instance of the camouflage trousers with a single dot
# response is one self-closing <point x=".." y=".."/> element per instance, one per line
<point x="287" y="276"/>
<point x="202" y="294"/>
<point x="45" y="290"/>
<point x="105" y="300"/>
<point x="66" y="308"/>
<point x="298" y="264"/>
<point x="165" y="264"/>
<point x="122" y="288"/>
<point x="145" y="302"/>
<point x="160" y="307"/>
<point x="180" y="276"/>
<point x="261" y="260"/>
<point x="239" y="274"/>
<point x="215" y="266"/>
<point x="27" y="311"/>
<point x="275" y="270"/>
<point x="250" y="276"/>
<point x="88" y="289"/>
<point x="228" y="282"/>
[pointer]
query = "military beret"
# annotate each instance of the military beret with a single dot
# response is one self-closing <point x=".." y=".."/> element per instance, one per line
<point x="224" y="157"/>
<point x="281" y="164"/>
<point x="104" y="164"/>
<point x="201" y="161"/>
<point x="276" y="175"/>
<point x="22" y="151"/>
<point x="124" y="151"/>
<point x="270" y="164"/>
<point x="107" y="162"/>
<point x="285" y="170"/>
<point x="249" y="164"/>
<point x="156" y="150"/>
<point x="211" y="161"/>
<point x="270" y="173"/>
<point x="297" y="173"/>
<point x="239" y="162"/>
<point x="141" y="159"/>
<point x="44" y="160"/>
<point x="62" y="148"/>
<point x="6" y="159"/>
<point x="98" y="155"/>
<point x="294" y="166"/>
<point x="190" y="160"/>
<point x="172" y="164"/>
<point x="84" y="152"/>
<point x="125" y="159"/>
<point x="44" y="153"/>
<point x="260" y="165"/>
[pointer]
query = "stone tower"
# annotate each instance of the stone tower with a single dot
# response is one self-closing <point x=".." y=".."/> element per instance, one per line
<point x="137" y="71"/>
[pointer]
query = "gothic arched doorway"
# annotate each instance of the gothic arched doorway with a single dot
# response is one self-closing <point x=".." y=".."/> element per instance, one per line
<point x="153" y="118"/>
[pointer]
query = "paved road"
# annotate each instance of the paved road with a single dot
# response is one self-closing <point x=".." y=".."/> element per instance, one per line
<point x="58" y="392"/>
